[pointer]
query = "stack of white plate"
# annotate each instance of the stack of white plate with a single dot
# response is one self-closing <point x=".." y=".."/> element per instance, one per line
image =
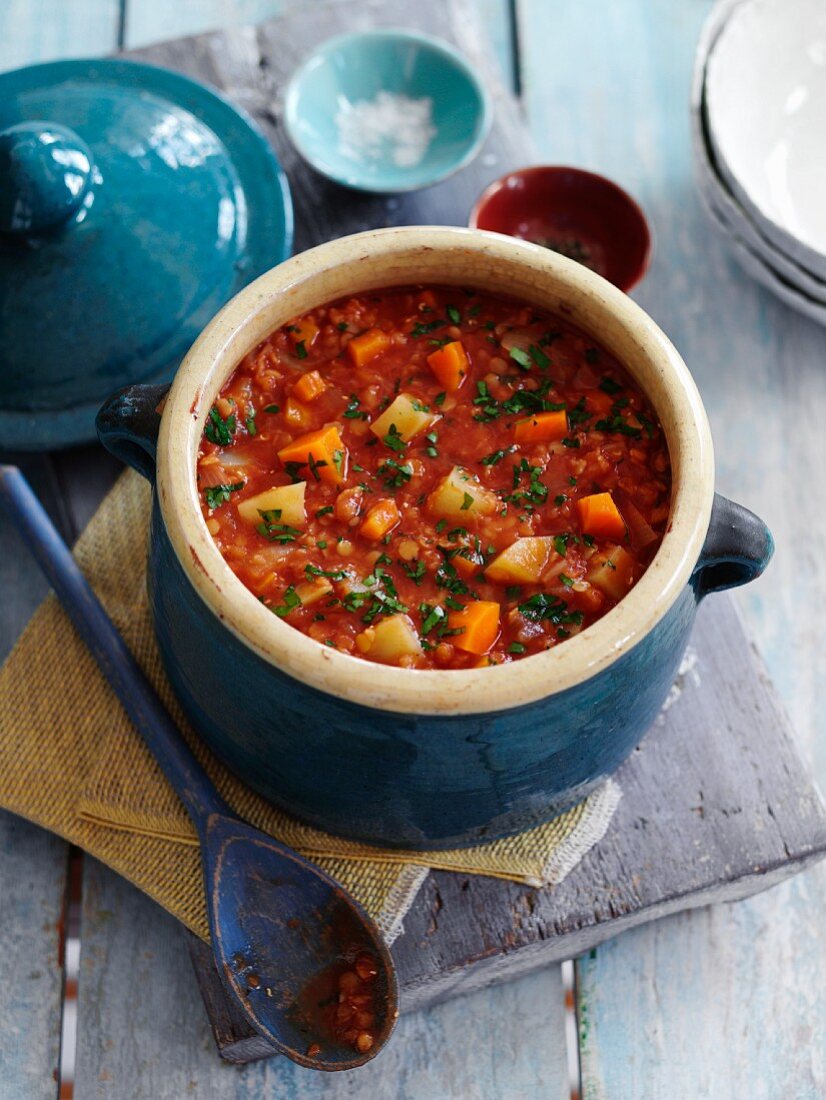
<point x="759" y="132"/>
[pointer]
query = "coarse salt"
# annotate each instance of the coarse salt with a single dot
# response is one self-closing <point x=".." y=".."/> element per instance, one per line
<point x="389" y="125"/>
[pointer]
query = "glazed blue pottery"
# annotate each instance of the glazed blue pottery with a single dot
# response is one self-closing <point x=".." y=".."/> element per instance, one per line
<point x="423" y="758"/>
<point x="344" y="116"/>
<point x="134" y="202"/>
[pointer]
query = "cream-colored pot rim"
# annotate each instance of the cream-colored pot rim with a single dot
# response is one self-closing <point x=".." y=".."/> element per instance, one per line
<point x="437" y="255"/>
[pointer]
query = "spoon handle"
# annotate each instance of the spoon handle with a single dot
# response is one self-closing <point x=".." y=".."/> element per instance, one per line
<point x="122" y="672"/>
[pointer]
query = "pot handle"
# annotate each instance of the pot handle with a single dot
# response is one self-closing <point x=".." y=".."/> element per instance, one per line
<point x="737" y="549"/>
<point x="128" y="426"/>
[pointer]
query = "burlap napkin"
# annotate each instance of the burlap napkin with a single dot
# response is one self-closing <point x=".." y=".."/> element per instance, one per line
<point x="71" y="762"/>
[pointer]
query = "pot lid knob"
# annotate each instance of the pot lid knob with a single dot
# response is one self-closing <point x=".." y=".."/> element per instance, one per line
<point x="46" y="177"/>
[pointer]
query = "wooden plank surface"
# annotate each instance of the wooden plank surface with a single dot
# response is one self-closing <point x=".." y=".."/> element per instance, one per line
<point x="144" y="1034"/>
<point x="43" y="30"/>
<point x="730" y="1001"/>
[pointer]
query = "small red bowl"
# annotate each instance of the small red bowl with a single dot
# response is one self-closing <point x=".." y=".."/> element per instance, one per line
<point x="579" y="214"/>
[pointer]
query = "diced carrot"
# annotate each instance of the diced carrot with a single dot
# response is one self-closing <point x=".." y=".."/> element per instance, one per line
<point x="600" y="517"/>
<point x="303" y="332"/>
<point x="309" y="386"/>
<point x="381" y="518"/>
<point x="296" y="414"/>
<point x="541" y="427"/>
<point x="367" y="346"/>
<point x="322" y="450"/>
<point x="479" y="623"/>
<point x="450" y="365"/>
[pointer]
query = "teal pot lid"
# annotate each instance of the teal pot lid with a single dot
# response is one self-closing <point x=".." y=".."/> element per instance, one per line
<point x="134" y="203"/>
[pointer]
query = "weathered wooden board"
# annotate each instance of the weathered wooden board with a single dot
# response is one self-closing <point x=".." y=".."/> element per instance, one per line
<point x="729" y="1001"/>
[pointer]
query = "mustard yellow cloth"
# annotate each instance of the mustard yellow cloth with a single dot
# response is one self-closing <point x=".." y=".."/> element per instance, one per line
<point x="71" y="762"/>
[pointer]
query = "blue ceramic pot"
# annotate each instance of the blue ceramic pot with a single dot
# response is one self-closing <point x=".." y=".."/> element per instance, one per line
<point x="423" y="758"/>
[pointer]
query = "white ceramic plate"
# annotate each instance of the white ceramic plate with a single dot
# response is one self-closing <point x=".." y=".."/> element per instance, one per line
<point x="730" y="216"/>
<point x="765" y="95"/>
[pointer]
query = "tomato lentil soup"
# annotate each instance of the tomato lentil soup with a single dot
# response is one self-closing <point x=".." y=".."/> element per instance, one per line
<point x="434" y="477"/>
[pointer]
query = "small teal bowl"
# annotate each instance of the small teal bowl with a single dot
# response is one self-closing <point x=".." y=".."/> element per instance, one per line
<point x="330" y="122"/>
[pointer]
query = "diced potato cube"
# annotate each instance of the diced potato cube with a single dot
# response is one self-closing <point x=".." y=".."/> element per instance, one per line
<point x="286" y="499"/>
<point x="310" y="592"/>
<point x="612" y="573"/>
<point x="407" y="414"/>
<point x="390" y="640"/>
<point x="459" y="495"/>
<point x="522" y="562"/>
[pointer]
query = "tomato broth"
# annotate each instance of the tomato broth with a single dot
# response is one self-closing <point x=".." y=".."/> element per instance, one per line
<point x="434" y="477"/>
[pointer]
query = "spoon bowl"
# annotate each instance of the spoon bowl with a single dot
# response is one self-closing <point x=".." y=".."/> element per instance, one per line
<point x="283" y="937"/>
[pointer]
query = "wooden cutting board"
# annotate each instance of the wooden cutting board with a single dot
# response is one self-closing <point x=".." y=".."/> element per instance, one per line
<point x="716" y="802"/>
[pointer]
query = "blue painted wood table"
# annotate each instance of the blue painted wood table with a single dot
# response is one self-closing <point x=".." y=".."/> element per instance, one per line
<point x="727" y="1001"/>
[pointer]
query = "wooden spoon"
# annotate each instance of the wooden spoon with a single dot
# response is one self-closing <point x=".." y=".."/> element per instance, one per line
<point x="283" y="932"/>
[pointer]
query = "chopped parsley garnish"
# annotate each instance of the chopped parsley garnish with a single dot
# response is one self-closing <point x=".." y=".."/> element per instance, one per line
<point x="218" y="430"/>
<point x="315" y="465"/>
<point x="474" y="311"/>
<point x="496" y="456"/>
<point x="216" y="495"/>
<point x="415" y="570"/>
<point x="419" y="406"/>
<point x="560" y="498"/>
<point x="454" y="316"/>
<point x="291" y="602"/>
<point x="393" y="474"/>
<point x="561" y="544"/>
<point x="440" y="526"/>
<point x="300" y="350"/>
<point x="439" y="399"/>
<point x="521" y="358"/>
<point x="379" y="594"/>
<point x="467" y="500"/>
<point x="393" y="440"/>
<point x="273" y="530"/>
<point x="546" y="608"/>
<point x="272" y="408"/>
<point x="250" y="423"/>
<point x="489" y="409"/>
<point x="535" y="493"/>
<point x="516" y="647"/>
<point x="617" y="423"/>
<point x="432" y="439"/>
<point x="342" y="326"/>
<point x="568" y="442"/>
<point x="431" y="617"/>
<point x="353" y="412"/>
<point x="311" y="571"/>
<point x="325" y="511"/>
<point x="566" y="580"/>
<point x="589" y="540"/>
<point x="539" y="357"/>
